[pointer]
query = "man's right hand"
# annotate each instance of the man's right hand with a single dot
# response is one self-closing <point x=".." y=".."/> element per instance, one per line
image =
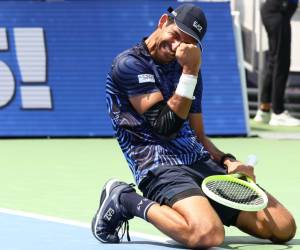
<point x="189" y="57"/>
<point x="234" y="166"/>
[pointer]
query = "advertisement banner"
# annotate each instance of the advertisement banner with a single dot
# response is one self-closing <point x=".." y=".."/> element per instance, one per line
<point x="54" y="57"/>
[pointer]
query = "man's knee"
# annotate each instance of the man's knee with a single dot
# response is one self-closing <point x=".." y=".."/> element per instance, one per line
<point x="284" y="233"/>
<point x="208" y="236"/>
<point x="279" y="232"/>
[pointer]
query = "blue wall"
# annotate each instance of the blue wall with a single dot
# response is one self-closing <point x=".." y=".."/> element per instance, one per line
<point x="79" y="40"/>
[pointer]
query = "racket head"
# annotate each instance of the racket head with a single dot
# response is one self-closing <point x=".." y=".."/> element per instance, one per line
<point x="234" y="192"/>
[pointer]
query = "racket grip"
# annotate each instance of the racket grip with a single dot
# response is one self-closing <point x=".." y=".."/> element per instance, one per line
<point x="251" y="160"/>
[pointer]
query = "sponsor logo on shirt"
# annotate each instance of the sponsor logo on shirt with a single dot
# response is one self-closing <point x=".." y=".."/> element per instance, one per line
<point x="146" y="78"/>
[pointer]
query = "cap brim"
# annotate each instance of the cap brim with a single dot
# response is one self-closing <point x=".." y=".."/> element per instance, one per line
<point x="188" y="31"/>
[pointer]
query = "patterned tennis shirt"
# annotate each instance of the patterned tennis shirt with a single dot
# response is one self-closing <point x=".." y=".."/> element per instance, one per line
<point x="133" y="73"/>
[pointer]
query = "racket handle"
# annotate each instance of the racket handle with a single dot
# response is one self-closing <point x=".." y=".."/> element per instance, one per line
<point x="251" y="160"/>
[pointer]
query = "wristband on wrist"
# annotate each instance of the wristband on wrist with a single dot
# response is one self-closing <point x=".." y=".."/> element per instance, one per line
<point x="186" y="86"/>
<point x="225" y="156"/>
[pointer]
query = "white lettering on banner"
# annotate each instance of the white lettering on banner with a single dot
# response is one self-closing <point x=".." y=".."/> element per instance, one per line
<point x="7" y="81"/>
<point x="31" y="58"/>
<point x="3" y="39"/>
<point x="36" y="97"/>
<point x="7" y="84"/>
<point x="31" y="55"/>
<point x="146" y="78"/>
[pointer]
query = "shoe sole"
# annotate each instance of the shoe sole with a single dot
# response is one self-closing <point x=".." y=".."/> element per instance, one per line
<point x="283" y="125"/>
<point x="261" y="121"/>
<point x="104" y="195"/>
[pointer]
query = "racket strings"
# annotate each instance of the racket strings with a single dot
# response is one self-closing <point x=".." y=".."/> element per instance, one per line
<point x="235" y="192"/>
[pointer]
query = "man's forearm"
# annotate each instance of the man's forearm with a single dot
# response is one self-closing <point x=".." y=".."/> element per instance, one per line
<point x="212" y="149"/>
<point x="180" y="105"/>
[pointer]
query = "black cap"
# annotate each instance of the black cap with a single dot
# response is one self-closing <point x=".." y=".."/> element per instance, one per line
<point x="191" y="20"/>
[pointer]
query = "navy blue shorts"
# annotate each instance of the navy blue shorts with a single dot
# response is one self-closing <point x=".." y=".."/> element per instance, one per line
<point x="169" y="184"/>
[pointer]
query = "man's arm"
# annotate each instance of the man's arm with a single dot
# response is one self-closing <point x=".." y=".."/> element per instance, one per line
<point x="232" y="165"/>
<point x="196" y="122"/>
<point x="180" y="105"/>
<point x="166" y="117"/>
<point x="189" y="57"/>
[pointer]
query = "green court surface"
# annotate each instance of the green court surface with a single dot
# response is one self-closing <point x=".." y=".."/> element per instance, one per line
<point x="269" y="132"/>
<point x="63" y="177"/>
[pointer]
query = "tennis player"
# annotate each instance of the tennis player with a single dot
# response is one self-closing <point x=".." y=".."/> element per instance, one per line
<point x="154" y="93"/>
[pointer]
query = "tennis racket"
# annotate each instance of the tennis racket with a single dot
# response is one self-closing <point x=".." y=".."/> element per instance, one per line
<point x="236" y="190"/>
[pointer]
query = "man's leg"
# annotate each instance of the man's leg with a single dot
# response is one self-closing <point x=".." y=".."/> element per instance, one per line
<point x="270" y="23"/>
<point x="274" y="222"/>
<point x="282" y="64"/>
<point x="191" y="221"/>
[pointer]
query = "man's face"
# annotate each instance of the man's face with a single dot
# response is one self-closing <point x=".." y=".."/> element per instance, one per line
<point x="168" y="41"/>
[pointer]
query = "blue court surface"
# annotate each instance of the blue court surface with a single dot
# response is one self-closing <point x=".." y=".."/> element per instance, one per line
<point x="19" y="232"/>
<point x="25" y="231"/>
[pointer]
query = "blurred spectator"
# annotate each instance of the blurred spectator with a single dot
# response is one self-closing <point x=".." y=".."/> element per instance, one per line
<point x="276" y="17"/>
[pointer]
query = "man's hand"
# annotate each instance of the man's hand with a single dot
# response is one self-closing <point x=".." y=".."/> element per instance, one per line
<point x="234" y="166"/>
<point x="189" y="57"/>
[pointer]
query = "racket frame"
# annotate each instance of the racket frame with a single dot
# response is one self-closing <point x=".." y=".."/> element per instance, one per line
<point x="235" y="178"/>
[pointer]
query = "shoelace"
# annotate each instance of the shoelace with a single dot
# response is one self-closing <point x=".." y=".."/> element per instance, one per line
<point x="132" y="185"/>
<point x="125" y="229"/>
<point x="125" y="225"/>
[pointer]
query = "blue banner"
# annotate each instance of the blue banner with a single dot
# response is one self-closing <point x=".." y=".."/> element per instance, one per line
<point x="54" y="57"/>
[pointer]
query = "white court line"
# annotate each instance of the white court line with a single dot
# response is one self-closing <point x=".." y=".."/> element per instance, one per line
<point x="86" y="225"/>
<point x="73" y="223"/>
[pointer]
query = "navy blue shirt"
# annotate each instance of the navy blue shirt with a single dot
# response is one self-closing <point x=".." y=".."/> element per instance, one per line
<point x="134" y="73"/>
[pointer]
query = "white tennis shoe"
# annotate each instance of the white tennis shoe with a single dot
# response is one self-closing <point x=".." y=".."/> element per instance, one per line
<point x="262" y="116"/>
<point x="284" y="119"/>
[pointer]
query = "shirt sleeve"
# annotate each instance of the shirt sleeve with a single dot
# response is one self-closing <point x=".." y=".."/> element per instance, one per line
<point x="133" y="76"/>
<point x="197" y="102"/>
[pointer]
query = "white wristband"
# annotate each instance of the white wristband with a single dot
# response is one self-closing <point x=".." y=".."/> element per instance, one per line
<point x="186" y="86"/>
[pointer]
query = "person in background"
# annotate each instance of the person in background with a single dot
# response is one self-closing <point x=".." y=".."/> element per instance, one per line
<point x="276" y="17"/>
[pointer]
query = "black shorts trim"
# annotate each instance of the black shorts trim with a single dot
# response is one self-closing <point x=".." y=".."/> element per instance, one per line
<point x="185" y="194"/>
